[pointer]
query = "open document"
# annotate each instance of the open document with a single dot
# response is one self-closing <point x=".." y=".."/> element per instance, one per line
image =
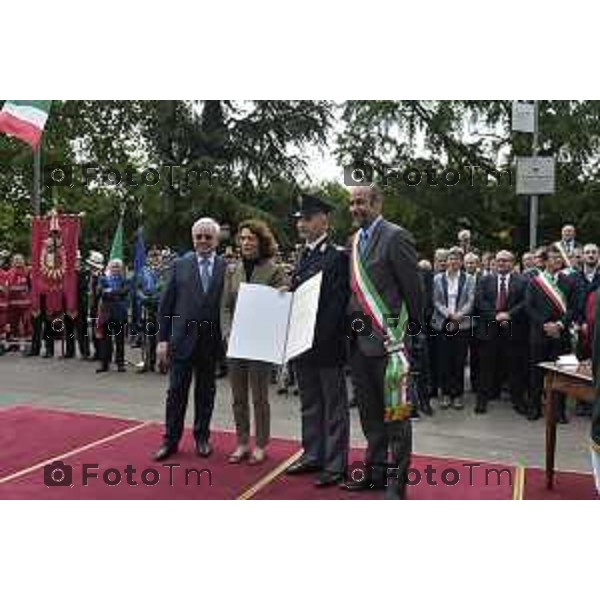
<point x="273" y="326"/>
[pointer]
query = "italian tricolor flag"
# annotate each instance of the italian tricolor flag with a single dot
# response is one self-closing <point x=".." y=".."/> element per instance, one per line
<point x="25" y="119"/>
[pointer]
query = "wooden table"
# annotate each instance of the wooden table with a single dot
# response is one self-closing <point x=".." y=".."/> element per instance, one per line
<point x="576" y="382"/>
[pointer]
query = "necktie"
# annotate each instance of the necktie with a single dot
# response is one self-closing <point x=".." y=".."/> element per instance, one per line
<point x="305" y="254"/>
<point x="363" y="241"/>
<point x="204" y="273"/>
<point x="501" y="303"/>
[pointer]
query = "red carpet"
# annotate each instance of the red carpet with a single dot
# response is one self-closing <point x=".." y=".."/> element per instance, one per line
<point x="300" y="487"/>
<point x="567" y="486"/>
<point x="29" y="435"/>
<point x="228" y="481"/>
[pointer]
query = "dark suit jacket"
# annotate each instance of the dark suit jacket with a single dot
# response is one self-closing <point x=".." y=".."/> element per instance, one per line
<point x="187" y="309"/>
<point x="330" y="342"/>
<point x="583" y="289"/>
<point x="426" y="277"/>
<point x="540" y="311"/>
<point x="486" y="297"/>
<point x="391" y="262"/>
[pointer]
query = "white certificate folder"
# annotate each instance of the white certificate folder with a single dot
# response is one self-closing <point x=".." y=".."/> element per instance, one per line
<point x="273" y="326"/>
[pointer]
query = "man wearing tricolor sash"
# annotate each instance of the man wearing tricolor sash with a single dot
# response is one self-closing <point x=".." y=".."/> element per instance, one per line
<point x="386" y="294"/>
<point x="595" y="332"/>
<point x="567" y="244"/>
<point x="550" y="305"/>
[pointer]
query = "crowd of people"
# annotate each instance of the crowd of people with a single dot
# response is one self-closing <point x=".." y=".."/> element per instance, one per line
<point x="106" y="293"/>
<point x="501" y="317"/>
<point x="488" y="318"/>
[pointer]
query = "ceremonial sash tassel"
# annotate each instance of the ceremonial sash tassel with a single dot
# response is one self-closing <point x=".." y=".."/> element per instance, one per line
<point x="396" y="404"/>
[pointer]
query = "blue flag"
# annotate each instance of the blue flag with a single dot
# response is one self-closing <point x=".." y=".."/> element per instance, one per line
<point x="139" y="252"/>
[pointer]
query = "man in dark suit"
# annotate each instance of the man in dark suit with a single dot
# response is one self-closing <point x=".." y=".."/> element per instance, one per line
<point x="385" y="253"/>
<point x="567" y="244"/>
<point x="320" y="371"/>
<point x="594" y="323"/>
<point x="502" y="330"/>
<point x="426" y="377"/>
<point x="587" y="280"/>
<point x="550" y="304"/>
<point x="190" y="334"/>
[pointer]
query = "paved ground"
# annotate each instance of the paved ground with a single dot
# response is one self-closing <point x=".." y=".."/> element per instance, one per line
<point x="500" y="435"/>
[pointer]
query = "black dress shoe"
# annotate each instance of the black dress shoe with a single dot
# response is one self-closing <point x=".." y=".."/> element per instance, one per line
<point x="534" y="414"/>
<point x="164" y="452"/>
<point x="393" y="492"/>
<point x="303" y="466"/>
<point x="362" y="486"/>
<point x="121" y="369"/>
<point x="480" y="408"/>
<point x="101" y="369"/>
<point x="203" y="449"/>
<point x="327" y="479"/>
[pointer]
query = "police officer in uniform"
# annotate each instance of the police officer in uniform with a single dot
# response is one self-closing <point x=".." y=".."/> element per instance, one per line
<point x="320" y="370"/>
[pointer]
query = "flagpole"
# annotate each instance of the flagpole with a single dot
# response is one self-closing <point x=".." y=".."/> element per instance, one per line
<point x="37" y="169"/>
<point x="534" y="207"/>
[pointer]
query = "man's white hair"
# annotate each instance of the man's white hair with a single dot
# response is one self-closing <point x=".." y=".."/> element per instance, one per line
<point x="207" y="222"/>
<point x="588" y="247"/>
<point x="506" y="254"/>
<point x="115" y="261"/>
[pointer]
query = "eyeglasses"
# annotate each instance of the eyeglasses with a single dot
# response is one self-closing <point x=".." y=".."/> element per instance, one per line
<point x="204" y="236"/>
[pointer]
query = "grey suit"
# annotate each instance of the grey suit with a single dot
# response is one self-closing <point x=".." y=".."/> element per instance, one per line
<point x="452" y="343"/>
<point x="190" y="321"/>
<point x="464" y="302"/>
<point x="391" y="263"/>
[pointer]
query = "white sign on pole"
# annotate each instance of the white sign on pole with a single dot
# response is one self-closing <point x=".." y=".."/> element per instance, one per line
<point x="523" y="116"/>
<point x="535" y="175"/>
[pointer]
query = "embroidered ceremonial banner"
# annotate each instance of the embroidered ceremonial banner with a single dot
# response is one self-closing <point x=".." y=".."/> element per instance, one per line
<point x="54" y="243"/>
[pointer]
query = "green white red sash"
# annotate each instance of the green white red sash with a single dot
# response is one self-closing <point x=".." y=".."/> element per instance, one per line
<point x="553" y="293"/>
<point x="397" y="406"/>
<point x="563" y="254"/>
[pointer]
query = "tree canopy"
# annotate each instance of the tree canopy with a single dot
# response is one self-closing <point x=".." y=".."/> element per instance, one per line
<point x="234" y="159"/>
